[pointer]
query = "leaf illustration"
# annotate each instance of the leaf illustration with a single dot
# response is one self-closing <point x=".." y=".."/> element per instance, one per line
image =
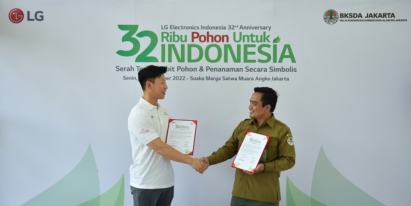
<point x="250" y="168"/>
<point x="276" y="40"/>
<point x="237" y="164"/>
<point x="187" y="151"/>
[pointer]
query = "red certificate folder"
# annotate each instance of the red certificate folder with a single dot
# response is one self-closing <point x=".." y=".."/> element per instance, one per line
<point x="261" y="154"/>
<point x="188" y="150"/>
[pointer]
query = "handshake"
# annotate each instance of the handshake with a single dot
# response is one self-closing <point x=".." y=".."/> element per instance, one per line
<point x="200" y="165"/>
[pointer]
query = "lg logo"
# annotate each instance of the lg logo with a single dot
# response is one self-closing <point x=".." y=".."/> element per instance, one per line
<point x="16" y="16"/>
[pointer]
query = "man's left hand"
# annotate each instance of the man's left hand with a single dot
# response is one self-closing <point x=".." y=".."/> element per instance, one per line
<point x="260" y="168"/>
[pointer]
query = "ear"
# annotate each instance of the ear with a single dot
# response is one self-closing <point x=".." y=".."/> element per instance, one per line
<point x="148" y="85"/>
<point x="267" y="108"/>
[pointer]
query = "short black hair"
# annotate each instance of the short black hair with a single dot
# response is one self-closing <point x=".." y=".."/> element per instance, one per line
<point x="150" y="73"/>
<point x="269" y="96"/>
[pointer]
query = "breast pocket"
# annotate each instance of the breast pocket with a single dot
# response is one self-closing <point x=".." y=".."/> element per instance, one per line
<point x="271" y="149"/>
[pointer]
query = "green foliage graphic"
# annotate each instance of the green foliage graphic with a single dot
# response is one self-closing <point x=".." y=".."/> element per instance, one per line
<point x="277" y="40"/>
<point x="113" y="197"/>
<point x="296" y="197"/>
<point x="80" y="185"/>
<point x="332" y="188"/>
<point x="329" y="187"/>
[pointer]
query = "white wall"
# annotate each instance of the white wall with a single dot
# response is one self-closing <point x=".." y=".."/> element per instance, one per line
<point x="60" y="93"/>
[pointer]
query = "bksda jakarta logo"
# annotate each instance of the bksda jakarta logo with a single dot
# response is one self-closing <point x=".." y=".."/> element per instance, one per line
<point x="331" y="16"/>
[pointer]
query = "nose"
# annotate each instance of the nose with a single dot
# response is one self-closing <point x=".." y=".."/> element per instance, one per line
<point x="249" y="106"/>
<point x="166" y="86"/>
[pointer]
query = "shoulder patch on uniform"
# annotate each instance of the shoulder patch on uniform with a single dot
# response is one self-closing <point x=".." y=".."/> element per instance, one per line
<point x="290" y="139"/>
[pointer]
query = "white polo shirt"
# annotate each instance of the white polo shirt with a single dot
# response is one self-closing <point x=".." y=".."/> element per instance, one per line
<point x="150" y="170"/>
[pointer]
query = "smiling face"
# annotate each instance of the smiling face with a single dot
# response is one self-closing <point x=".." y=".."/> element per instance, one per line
<point x="257" y="111"/>
<point x="159" y="87"/>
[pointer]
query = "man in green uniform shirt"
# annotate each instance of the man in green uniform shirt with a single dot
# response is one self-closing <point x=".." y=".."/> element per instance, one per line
<point x="261" y="188"/>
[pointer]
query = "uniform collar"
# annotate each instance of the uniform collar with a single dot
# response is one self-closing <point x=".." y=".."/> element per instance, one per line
<point x="147" y="104"/>
<point x="270" y="121"/>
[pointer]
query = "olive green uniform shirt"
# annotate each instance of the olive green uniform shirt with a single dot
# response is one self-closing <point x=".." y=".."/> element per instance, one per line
<point x="263" y="186"/>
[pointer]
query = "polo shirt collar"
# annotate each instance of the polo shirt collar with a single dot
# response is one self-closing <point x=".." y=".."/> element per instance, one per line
<point x="147" y="104"/>
<point x="270" y="121"/>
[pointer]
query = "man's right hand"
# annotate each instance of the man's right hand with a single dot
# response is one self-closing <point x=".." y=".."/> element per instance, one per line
<point x="170" y="153"/>
<point x="197" y="165"/>
<point x="206" y="162"/>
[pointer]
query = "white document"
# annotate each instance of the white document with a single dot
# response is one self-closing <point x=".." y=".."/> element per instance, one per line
<point x="250" y="152"/>
<point x="181" y="135"/>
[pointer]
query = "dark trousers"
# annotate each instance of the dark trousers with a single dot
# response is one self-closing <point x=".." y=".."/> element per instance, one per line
<point x="152" y="197"/>
<point x="238" y="201"/>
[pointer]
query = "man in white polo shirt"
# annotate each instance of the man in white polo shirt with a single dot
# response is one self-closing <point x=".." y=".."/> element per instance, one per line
<point x="151" y="174"/>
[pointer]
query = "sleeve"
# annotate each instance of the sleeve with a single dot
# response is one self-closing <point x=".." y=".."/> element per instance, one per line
<point x="228" y="150"/>
<point x="286" y="154"/>
<point x="141" y="127"/>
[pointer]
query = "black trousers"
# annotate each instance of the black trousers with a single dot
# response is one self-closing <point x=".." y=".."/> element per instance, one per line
<point x="152" y="197"/>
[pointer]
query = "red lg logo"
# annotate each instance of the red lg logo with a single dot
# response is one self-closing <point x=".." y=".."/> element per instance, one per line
<point x="16" y="15"/>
